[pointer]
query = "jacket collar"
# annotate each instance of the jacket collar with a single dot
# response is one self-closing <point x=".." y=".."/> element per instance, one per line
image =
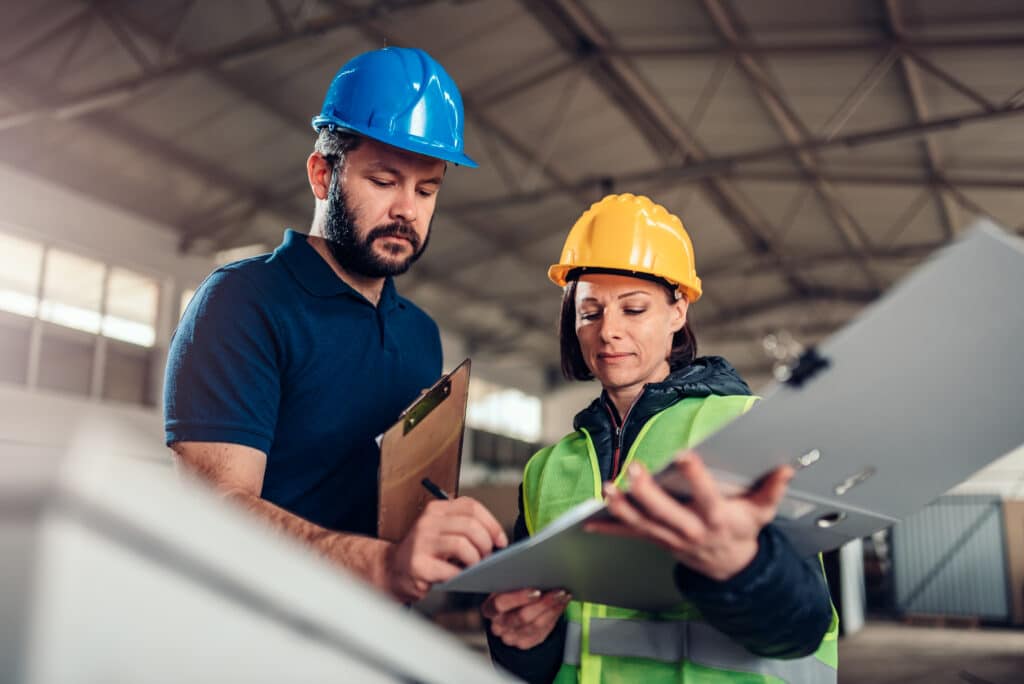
<point x="703" y="377"/>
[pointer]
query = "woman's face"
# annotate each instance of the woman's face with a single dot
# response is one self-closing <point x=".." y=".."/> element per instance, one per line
<point x="625" y="327"/>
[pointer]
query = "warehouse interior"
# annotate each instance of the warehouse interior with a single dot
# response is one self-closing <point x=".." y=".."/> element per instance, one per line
<point x="817" y="153"/>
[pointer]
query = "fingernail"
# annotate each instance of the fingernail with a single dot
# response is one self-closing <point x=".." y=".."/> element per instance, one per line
<point x="535" y="594"/>
<point x="503" y="540"/>
<point x="683" y="458"/>
<point x="608" y="489"/>
<point x="635" y="469"/>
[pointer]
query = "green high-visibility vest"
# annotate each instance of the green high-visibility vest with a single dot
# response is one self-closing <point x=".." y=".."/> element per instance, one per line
<point x="609" y="644"/>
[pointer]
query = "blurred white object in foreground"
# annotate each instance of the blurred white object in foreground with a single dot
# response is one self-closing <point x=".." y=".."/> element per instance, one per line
<point x="112" y="568"/>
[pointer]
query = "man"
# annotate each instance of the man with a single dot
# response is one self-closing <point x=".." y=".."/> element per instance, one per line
<point x="286" y="366"/>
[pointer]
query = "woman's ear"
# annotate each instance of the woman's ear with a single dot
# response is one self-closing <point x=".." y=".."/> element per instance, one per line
<point x="679" y="309"/>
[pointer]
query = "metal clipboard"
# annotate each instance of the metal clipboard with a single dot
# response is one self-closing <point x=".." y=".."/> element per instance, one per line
<point x="425" y="442"/>
<point x="908" y="400"/>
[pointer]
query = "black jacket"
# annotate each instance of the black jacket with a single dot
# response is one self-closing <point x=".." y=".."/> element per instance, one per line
<point x="776" y="607"/>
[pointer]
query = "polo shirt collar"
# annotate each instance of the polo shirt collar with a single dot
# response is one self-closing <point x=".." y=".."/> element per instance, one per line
<point x="317" y="277"/>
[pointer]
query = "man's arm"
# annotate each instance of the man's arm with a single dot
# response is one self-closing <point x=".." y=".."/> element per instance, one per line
<point x="447" y="535"/>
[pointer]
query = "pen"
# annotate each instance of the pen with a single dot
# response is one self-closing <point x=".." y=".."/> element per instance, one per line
<point x="434" y="489"/>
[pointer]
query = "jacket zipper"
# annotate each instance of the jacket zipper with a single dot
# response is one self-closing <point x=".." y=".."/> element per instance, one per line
<point x="619" y="429"/>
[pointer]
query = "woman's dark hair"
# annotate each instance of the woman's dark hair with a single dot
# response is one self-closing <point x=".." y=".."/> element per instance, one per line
<point x="574" y="367"/>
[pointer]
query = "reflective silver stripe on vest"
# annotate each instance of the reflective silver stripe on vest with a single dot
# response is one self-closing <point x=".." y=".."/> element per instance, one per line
<point x="573" y="643"/>
<point x="697" y="642"/>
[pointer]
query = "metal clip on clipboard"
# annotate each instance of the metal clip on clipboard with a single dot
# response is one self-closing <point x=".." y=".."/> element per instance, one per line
<point x="415" y="414"/>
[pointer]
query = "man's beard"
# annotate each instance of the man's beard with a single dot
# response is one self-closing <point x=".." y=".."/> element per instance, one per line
<point x="357" y="255"/>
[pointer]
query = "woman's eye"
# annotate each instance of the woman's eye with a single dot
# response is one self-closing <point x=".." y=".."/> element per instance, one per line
<point x="634" y="312"/>
<point x="589" y="315"/>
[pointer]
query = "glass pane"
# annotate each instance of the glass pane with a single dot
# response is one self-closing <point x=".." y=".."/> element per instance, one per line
<point x="72" y="290"/>
<point x="131" y="307"/>
<point x="20" y="263"/>
<point x="15" y="332"/>
<point x="65" y="361"/>
<point x="127" y="373"/>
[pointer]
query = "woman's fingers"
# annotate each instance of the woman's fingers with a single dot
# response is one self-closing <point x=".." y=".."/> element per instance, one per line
<point x="655" y="503"/>
<point x="541" y="611"/>
<point x="640" y="520"/>
<point x="530" y="623"/>
<point x="770" y="492"/>
<point x="506" y="601"/>
<point x="703" y="488"/>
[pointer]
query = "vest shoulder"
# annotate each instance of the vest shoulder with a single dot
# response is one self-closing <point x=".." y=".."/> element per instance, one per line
<point x="738" y="403"/>
<point x="573" y="442"/>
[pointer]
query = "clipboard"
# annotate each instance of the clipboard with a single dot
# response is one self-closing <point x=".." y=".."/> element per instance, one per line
<point x="907" y="401"/>
<point x="425" y="442"/>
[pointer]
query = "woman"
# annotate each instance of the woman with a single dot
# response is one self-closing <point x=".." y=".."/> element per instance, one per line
<point x="750" y="609"/>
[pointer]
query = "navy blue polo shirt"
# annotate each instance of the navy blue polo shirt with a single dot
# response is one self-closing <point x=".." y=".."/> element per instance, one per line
<point x="278" y="353"/>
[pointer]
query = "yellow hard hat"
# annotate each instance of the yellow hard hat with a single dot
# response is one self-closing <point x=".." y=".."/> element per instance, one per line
<point x="630" y="233"/>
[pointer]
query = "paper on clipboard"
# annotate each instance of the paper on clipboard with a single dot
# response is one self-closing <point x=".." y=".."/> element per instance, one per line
<point x="425" y="442"/>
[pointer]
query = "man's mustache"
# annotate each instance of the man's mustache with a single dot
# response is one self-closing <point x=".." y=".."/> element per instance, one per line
<point x="401" y="230"/>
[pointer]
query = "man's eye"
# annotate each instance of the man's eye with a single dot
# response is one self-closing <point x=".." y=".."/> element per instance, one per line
<point x="380" y="183"/>
<point x="426" y="193"/>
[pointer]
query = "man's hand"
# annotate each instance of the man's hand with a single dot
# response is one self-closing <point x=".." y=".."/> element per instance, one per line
<point x="447" y="537"/>
<point x="712" y="534"/>
<point x="526" y="617"/>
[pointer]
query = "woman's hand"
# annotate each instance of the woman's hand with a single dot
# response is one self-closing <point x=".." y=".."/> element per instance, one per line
<point x="712" y="534"/>
<point x="524" y="618"/>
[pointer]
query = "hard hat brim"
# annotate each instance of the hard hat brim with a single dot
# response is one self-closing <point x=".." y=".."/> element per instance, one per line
<point x="402" y="142"/>
<point x="558" y="274"/>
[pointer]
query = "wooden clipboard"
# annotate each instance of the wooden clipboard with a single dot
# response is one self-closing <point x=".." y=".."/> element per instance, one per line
<point x="425" y="442"/>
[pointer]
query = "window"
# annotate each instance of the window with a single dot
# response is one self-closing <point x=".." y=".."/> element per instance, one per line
<point x="84" y="302"/>
<point x="503" y="410"/>
<point x="20" y="264"/>
<point x="131" y="307"/>
<point x="72" y="291"/>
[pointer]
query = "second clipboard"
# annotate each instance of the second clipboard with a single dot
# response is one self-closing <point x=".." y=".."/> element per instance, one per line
<point x="425" y="442"/>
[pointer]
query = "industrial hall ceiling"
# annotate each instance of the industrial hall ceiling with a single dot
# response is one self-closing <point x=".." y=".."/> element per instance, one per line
<point x="816" y="150"/>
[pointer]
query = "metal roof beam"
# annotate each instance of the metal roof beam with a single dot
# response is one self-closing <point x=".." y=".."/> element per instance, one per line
<point x="919" y="108"/>
<point x="812" y="49"/>
<point x="46" y="38"/>
<point x="742" y="265"/>
<point x="727" y="165"/>
<point x="579" y="32"/>
<point x="72" y="104"/>
<point x="770" y="304"/>
<point x="794" y="131"/>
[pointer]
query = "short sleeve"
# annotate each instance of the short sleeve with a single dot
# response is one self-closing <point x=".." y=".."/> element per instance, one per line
<point x="222" y="381"/>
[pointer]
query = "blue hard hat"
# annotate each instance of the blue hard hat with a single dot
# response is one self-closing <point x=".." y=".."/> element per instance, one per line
<point x="401" y="97"/>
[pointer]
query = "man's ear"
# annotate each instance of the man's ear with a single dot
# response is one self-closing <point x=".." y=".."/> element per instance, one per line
<point x="319" y="171"/>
